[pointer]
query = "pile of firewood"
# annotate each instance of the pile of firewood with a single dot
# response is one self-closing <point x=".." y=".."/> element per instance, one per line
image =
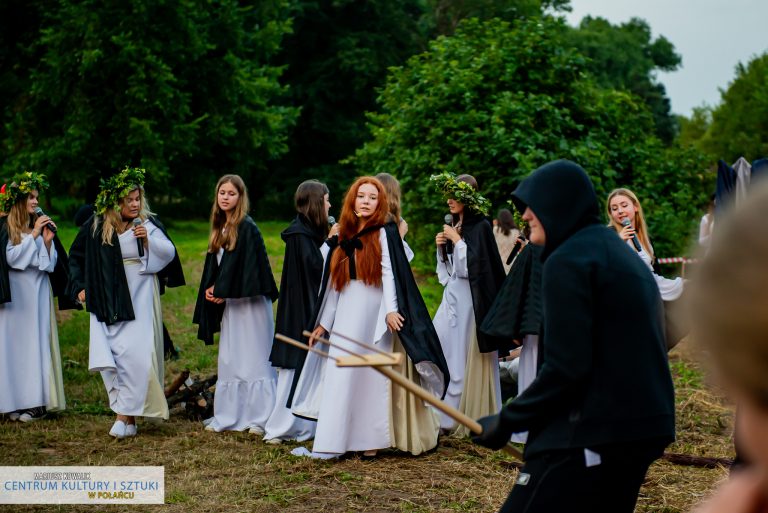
<point x="192" y="397"/>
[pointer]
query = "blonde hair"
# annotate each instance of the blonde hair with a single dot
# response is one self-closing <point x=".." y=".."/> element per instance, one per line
<point x="641" y="228"/>
<point x="392" y="188"/>
<point x="729" y="299"/>
<point x="112" y="221"/>
<point x="19" y="220"/>
<point x="224" y="230"/>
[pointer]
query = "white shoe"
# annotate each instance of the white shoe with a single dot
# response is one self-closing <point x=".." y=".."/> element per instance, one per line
<point x="118" y="430"/>
<point x="257" y="430"/>
<point x="208" y="421"/>
<point x="273" y="441"/>
<point x="14" y="416"/>
<point x="131" y="430"/>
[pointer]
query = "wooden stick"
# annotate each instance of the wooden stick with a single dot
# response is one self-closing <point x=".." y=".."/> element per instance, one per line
<point x="289" y="340"/>
<point x="362" y="344"/>
<point x="176" y="385"/>
<point x="427" y="397"/>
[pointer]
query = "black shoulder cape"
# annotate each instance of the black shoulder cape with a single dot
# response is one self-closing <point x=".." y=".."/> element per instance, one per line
<point x="98" y="268"/>
<point x="517" y="310"/>
<point x="299" y="286"/>
<point x="418" y="334"/>
<point x="486" y="274"/>
<point x="243" y="272"/>
<point x="59" y="278"/>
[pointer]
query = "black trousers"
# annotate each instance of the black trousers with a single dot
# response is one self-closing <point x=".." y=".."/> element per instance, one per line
<point x="560" y="481"/>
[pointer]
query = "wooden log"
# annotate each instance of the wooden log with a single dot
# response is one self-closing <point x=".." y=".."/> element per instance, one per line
<point x="696" y="461"/>
<point x="176" y="385"/>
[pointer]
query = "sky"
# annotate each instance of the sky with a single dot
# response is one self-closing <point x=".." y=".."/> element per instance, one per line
<point x="712" y="36"/>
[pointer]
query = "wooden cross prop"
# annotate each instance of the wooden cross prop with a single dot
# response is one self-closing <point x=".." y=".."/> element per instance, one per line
<point x="381" y="361"/>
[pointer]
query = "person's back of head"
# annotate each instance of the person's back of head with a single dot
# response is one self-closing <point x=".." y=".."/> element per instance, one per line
<point x="505" y="221"/>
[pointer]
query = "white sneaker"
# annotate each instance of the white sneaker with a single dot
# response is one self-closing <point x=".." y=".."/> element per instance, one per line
<point x="32" y="415"/>
<point x="131" y="430"/>
<point x="14" y="416"/>
<point x="118" y="430"/>
<point x="273" y="441"/>
<point x="257" y="430"/>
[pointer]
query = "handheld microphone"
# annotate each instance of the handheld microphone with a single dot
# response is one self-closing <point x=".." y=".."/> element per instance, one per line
<point x="626" y="222"/>
<point x="139" y="242"/>
<point x="39" y="212"/>
<point x="331" y="220"/>
<point x="515" y="250"/>
<point x="447" y="248"/>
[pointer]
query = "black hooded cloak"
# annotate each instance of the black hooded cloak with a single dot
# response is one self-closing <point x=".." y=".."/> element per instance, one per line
<point x="604" y="377"/>
<point x="98" y="268"/>
<point x="486" y="274"/>
<point x="243" y="272"/>
<point x="59" y="278"/>
<point x="300" y="285"/>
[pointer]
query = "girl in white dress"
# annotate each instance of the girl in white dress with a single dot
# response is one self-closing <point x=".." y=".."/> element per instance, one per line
<point x="235" y="296"/>
<point x="116" y="264"/>
<point x="361" y="303"/>
<point x="30" y="363"/>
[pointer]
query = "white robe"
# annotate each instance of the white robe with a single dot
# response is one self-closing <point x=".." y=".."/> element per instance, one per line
<point x="129" y="354"/>
<point x="670" y="289"/>
<point x="245" y="389"/>
<point x="30" y="362"/>
<point x="455" y="325"/>
<point x="354" y="405"/>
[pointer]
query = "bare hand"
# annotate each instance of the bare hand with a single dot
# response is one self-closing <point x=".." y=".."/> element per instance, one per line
<point x="394" y="321"/>
<point x="451" y="233"/>
<point x="318" y="332"/>
<point x="39" y="223"/>
<point x="627" y="233"/>
<point x="140" y="231"/>
<point x="440" y="239"/>
<point x="81" y="296"/>
<point x="334" y="230"/>
<point x="402" y="228"/>
<point x="744" y="493"/>
<point x="210" y="297"/>
<point x="48" y="235"/>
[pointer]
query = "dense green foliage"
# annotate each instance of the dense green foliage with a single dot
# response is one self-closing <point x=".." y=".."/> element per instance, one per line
<point x="185" y="90"/>
<point x="497" y="100"/>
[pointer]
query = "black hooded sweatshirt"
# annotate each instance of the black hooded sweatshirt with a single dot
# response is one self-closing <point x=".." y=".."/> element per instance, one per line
<point x="604" y="377"/>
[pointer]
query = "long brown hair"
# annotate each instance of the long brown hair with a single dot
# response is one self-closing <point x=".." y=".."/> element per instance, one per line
<point x="368" y="259"/>
<point x="224" y="230"/>
<point x="310" y="201"/>
<point x="641" y="229"/>
<point x="19" y="220"/>
<point x="392" y="187"/>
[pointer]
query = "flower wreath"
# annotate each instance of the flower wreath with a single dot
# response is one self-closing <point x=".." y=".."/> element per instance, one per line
<point x="21" y="185"/>
<point x="462" y="192"/>
<point x="118" y="187"/>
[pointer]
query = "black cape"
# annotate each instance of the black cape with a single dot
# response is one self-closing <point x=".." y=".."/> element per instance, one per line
<point x="418" y="334"/>
<point x="98" y="268"/>
<point x="59" y="278"/>
<point x="243" y="272"/>
<point x="299" y="285"/>
<point x="517" y="310"/>
<point x="486" y="274"/>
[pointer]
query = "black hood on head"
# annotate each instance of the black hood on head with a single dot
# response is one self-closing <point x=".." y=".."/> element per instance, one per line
<point x="563" y="198"/>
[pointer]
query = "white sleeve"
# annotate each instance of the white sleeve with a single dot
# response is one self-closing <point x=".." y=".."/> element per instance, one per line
<point x="460" y="259"/>
<point x="160" y="252"/>
<point x="387" y="277"/>
<point x="48" y="260"/>
<point x="25" y="254"/>
<point x="328" y="309"/>
<point x="408" y="251"/>
<point x="704" y="231"/>
<point x="443" y="274"/>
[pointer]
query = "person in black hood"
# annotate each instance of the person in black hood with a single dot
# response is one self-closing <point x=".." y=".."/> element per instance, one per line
<point x="306" y="249"/>
<point x="601" y="408"/>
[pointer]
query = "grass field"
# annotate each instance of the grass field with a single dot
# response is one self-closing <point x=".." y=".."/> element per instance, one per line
<point x="208" y="472"/>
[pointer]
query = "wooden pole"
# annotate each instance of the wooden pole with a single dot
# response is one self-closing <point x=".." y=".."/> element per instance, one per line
<point x="427" y="397"/>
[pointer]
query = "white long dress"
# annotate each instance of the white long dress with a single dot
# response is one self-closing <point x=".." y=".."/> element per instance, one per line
<point x="30" y="362"/>
<point x="355" y="403"/>
<point x="474" y="387"/>
<point x="282" y="423"/>
<point x="245" y="390"/>
<point x="670" y="289"/>
<point x="129" y="354"/>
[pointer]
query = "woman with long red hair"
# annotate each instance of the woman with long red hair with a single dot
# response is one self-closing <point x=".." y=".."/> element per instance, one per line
<point x="361" y="302"/>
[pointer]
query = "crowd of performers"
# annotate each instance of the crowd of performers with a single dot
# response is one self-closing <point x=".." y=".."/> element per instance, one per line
<point x="583" y="307"/>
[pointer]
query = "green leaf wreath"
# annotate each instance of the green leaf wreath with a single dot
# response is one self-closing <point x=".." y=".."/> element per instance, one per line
<point x="118" y="187"/>
<point x="461" y="192"/>
<point x="21" y="185"/>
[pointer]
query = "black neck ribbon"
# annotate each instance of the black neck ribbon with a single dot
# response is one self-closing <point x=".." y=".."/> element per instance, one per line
<point x="350" y="245"/>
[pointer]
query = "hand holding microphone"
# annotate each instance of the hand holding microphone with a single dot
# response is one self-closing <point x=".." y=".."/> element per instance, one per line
<point x="139" y="234"/>
<point x="446" y="248"/>
<point x="626" y="233"/>
<point x="334" y="227"/>
<point x="49" y="224"/>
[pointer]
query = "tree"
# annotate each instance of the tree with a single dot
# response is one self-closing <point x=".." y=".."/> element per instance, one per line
<point x="740" y="122"/>
<point x="183" y="89"/>
<point x="444" y="16"/>
<point x="499" y="99"/>
<point x="626" y="57"/>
